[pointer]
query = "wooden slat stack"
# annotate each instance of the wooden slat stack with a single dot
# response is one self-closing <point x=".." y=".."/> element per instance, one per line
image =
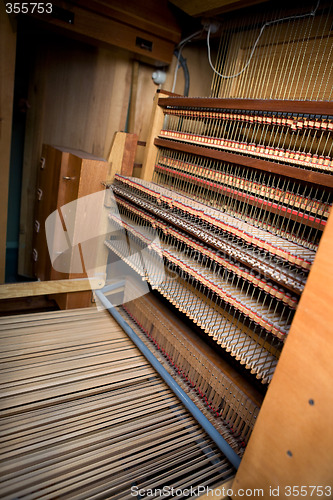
<point x="83" y="414"/>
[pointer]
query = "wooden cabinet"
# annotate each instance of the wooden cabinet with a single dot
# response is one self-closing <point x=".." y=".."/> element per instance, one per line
<point x="64" y="176"/>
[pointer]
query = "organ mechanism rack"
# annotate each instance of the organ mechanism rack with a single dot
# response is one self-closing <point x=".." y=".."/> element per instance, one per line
<point x="239" y="196"/>
<point x="238" y="192"/>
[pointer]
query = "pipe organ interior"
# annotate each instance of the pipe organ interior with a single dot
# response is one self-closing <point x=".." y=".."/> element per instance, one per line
<point x="225" y="225"/>
<point x="238" y="218"/>
<point x="235" y="196"/>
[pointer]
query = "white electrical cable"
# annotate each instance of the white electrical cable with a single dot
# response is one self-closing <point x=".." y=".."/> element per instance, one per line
<point x="312" y="13"/>
<point x="176" y="71"/>
<point x="188" y="39"/>
<point x="180" y="47"/>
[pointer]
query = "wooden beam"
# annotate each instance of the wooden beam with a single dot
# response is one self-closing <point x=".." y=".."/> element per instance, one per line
<point x="324" y="180"/>
<point x="7" y="70"/>
<point x="34" y="288"/>
<point x="278" y="105"/>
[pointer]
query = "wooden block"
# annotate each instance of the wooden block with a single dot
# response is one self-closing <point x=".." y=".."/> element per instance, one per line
<point x="122" y="155"/>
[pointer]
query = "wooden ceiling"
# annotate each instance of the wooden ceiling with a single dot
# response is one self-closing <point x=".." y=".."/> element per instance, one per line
<point x="146" y="28"/>
<point x="198" y="8"/>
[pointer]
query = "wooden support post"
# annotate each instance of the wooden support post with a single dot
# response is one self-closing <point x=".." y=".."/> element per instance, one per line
<point x="151" y="150"/>
<point x="7" y="70"/>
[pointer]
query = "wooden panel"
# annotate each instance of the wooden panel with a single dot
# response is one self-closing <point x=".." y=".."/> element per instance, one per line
<point x="69" y="178"/>
<point x="69" y="173"/>
<point x="129" y="155"/>
<point x="7" y="69"/>
<point x="22" y="305"/>
<point x="292" y="442"/>
<point x="65" y="175"/>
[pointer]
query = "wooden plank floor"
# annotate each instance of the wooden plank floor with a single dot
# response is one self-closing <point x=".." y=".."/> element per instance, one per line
<point x="83" y="414"/>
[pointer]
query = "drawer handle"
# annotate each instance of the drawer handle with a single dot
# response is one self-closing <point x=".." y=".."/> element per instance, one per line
<point x="67" y="178"/>
<point x="39" y="194"/>
<point x="42" y="163"/>
<point x="37" y="226"/>
<point x="35" y="255"/>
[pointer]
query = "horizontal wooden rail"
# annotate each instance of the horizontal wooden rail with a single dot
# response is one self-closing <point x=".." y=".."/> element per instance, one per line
<point x="34" y="288"/>
<point x="323" y="180"/>
<point x="297" y="215"/>
<point x="286" y="106"/>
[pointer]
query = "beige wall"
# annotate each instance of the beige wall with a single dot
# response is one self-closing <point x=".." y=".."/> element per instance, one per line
<point x="79" y="97"/>
<point x="200" y="72"/>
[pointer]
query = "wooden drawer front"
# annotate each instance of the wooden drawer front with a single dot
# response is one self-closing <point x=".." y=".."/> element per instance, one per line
<point x="64" y="176"/>
<point x="45" y="204"/>
<point x="69" y="179"/>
